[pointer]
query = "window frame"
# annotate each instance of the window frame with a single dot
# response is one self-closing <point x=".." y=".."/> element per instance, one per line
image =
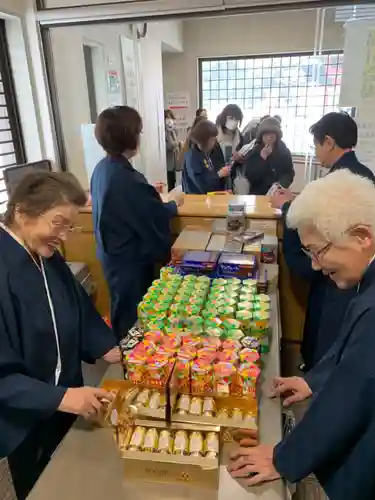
<point x="11" y="106"/>
<point x="270" y="56"/>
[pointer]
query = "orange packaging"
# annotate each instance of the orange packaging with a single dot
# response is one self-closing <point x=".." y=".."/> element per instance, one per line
<point x="155" y="337"/>
<point x="228" y="355"/>
<point x="246" y="379"/>
<point x="182" y="372"/>
<point x="191" y="341"/>
<point x="223" y="378"/>
<point x="211" y="343"/>
<point x="172" y="341"/>
<point x="144" y="349"/>
<point x="207" y="354"/>
<point x="201" y="377"/>
<point x="187" y="352"/>
<point x="136" y="367"/>
<point x="249" y="355"/>
<point x="157" y="367"/>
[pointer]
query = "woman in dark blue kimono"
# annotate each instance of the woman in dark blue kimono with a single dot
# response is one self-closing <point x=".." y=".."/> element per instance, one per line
<point x="131" y="223"/>
<point x="48" y="326"/>
<point x="199" y="175"/>
<point x="335" y="438"/>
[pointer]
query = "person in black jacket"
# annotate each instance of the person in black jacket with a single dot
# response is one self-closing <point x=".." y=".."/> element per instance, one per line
<point x="335" y="136"/>
<point x="199" y="175"/>
<point x="131" y="222"/>
<point x="269" y="162"/>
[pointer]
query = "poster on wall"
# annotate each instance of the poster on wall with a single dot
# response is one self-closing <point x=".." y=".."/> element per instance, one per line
<point x="179" y="103"/>
<point x="130" y="72"/>
<point x="113" y="79"/>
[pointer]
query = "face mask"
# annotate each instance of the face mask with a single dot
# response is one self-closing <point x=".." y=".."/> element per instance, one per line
<point x="169" y="122"/>
<point x="231" y="124"/>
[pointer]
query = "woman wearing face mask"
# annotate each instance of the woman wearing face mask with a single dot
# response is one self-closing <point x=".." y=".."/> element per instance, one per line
<point x="48" y="326"/>
<point x="199" y="175"/>
<point x="172" y="146"/>
<point x="131" y="222"/>
<point x="229" y="137"/>
<point x="270" y="161"/>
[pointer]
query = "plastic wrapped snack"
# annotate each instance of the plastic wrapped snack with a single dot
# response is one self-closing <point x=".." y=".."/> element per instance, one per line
<point x="154" y="402"/>
<point x="181" y="443"/>
<point x="196" y="446"/>
<point x="211" y="445"/>
<point x="143" y="397"/>
<point x="165" y="444"/>
<point x="222" y="413"/>
<point x="130" y="395"/>
<point x="137" y="439"/>
<point x="237" y="414"/>
<point x="150" y="441"/>
<point x="209" y="407"/>
<point x="196" y="405"/>
<point x="183" y="404"/>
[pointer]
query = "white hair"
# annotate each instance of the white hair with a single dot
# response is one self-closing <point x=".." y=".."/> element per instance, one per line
<point x="334" y="204"/>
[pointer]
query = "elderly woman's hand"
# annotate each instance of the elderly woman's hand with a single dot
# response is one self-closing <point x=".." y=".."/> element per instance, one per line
<point x="113" y="356"/>
<point x="256" y="464"/>
<point x="280" y="197"/>
<point x="294" y="389"/>
<point x="246" y="437"/>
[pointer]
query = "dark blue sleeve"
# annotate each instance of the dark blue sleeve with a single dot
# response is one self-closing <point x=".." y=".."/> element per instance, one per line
<point x="139" y="205"/>
<point x="286" y="170"/>
<point x="298" y="262"/>
<point x="18" y="391"/>
<point x="338" y="415"/>
<point x="205" y="179"/>
<point x="96" y="337"/>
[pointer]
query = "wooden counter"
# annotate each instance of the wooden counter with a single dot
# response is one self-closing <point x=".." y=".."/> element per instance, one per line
<point x="201" y="211"/>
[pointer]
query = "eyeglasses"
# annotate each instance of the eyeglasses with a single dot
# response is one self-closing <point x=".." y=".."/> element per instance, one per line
<point x="317" y="254"/>
<point x="62" y="226"/>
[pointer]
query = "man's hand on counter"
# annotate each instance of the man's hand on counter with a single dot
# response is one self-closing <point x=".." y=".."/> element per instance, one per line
<point x="84" y="401"/>
<point x="294" y="389"/>
<point x="256" y="464"/>
<point x="113" y="356"/>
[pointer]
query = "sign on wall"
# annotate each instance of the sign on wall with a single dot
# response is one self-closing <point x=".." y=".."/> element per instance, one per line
<point x="179" y="103"/>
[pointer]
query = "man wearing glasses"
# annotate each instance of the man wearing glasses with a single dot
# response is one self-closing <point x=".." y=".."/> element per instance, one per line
<point x="335" y="136"/>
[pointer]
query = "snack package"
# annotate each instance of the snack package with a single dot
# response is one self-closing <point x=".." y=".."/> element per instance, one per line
<point x="183" y="404"/>
<point x="211" y="445"/>
<point x="223" y="378"/>
<point x="154" y="402"/>
<point x="136" y="368"/>
<point x="143" y="397"/>
<point x="182" y="374"/>
<point x="150" y="441"/>
<point x="196" y="446"/>
<point x="137" y="439"/>
<point x="201" y="377"/>
<point x="196" y="405"/>
<point x="158" y="368"/>
<point x="181" y="443"/>
<point x="209" y="407"/>
<point x="165" y="444"/>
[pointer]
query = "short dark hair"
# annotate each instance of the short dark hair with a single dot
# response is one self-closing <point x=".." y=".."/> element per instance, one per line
<point x="118" y="129"/>
<point x="340" y="126"/>
<point x="40" y="192"/>
<point x="203" y="131"/>
<point x="229" y="110"/>
<point x="168" y="113"/>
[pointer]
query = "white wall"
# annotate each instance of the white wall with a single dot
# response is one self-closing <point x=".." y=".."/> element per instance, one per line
<point x="269" y="33"/>
<point x="71" y="82"/>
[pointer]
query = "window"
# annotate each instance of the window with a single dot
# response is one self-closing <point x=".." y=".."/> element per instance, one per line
<point x="298" y="87"/>
<point x="12" y="150"/>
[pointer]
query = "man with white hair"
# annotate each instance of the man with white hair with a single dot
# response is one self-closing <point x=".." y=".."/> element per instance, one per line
<point x="335" y="438"/>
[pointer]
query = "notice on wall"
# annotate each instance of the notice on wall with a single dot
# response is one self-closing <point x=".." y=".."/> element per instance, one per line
<point x="368" y="75"/>
<point x="179" y="103"/>
<point x="113" y="79"/>
<point x="365" y="118"/>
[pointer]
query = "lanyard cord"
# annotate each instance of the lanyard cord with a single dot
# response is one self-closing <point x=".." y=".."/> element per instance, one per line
<point x="40" y="266"/>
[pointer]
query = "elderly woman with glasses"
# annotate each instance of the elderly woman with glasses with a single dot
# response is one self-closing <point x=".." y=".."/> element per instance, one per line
<point x="335" y="219"/>
<point x="48" y="326"/>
